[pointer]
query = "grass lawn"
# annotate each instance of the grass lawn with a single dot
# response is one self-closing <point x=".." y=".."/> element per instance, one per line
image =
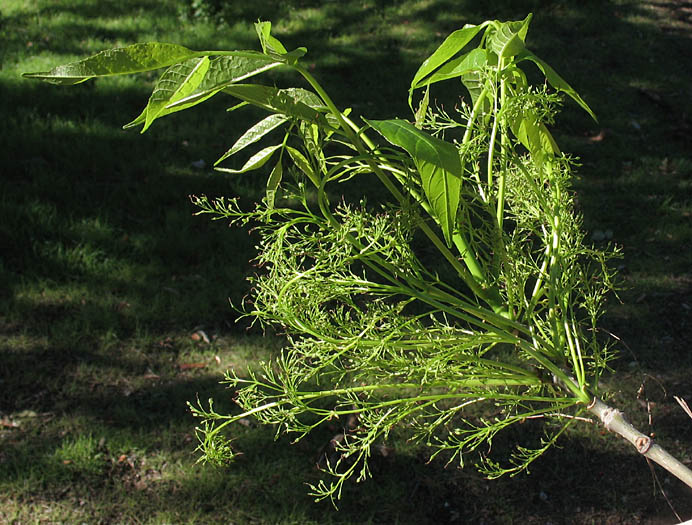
<point x="114" y="298"/>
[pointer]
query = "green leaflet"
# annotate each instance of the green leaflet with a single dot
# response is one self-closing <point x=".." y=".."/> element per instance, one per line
<point x="291" y="57"/>
<point x="273" y="183"/>
<point x="556" y="80"/>
<point x="311" y="138"/>
<point x="180" y="87"/>
<point x="470" y="62"/>
<point x="272" y="47"/>
<point x="293" y="102"/>
<point x="438" y="164"/>
<point x="527" y="128"/>
<point x="177" y="82"/>
<point x="254" y="134"/>
<point x="534" y="136"/>
<point x="120" y="61"/>
<point x="224" y="71"/>
<point x="268" y="42"/>
<point x="450" y="47"/>
<point x="422" y="110"/>
<point x="474" y="83"/>
<point x="303" y="164"/>
<point x="507" y="39"/>
<point x="258" y="160"/>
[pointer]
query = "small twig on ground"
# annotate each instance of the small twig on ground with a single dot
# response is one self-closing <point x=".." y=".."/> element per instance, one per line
<point x="684" y="405"/>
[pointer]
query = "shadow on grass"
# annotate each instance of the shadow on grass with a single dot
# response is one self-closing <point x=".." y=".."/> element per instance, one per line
<point x="582" y="483"/>
<point x="102" y="262"/>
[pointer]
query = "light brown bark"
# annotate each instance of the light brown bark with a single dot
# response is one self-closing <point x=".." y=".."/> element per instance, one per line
<point x="614" y="420"/>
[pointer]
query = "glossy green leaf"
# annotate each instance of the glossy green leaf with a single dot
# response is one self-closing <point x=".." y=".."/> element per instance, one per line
<point x="273" y="183"/>
<point x="254" y="134"/>
<point x="294" y="102"/>
<point x="555" y="80"/>
<point x="334" y="122"/>
<point x="291" y="57"/>
<point x="226" y="70"/>
<point x="177" y="91"/>
<point x="453" y="44"/>
<point x="437" y="162"/>
<point x="534" y="136"/>
<point x="474" y="82"/>
<point x="422" y="110"/>
<point x="177" y="82"/>
<point x="268" y="42"/>
<point x="302" y="164"/>
<point x="120" y="61"/>
<point x="258" y="160"/>
<point x="310" y="134"/>
<point x="507" y="39"/>
<point x="272" y="47"/>
<point x="472" y="61"/>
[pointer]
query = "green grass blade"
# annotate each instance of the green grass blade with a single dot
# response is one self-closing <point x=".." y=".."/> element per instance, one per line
<point x="119" y="61"/>
<point x="438" y="164"/>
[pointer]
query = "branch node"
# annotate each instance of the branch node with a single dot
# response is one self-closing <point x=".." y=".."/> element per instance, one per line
<point x="592" y="404"/>
<point x="608" y="416"/>
<point x="643" y="444"/>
